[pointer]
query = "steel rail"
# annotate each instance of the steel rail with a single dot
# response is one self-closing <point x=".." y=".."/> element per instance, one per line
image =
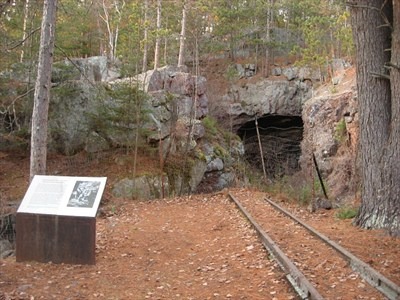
<point x="296" y="278"/>
<point x="373" y="277"/>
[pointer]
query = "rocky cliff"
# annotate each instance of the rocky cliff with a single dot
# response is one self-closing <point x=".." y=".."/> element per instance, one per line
<point x="284" y="112"/>
<point x="331" y="123"/>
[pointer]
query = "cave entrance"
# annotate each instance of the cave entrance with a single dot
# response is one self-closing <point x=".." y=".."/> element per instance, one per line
<point x="280" y="139"/>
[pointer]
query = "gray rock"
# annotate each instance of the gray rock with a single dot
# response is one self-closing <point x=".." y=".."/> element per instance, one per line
<point x="197" y="174"/>
<point x="237" y="148"/>
<point x="94" y="69"/>
<point x="225" y="180"/>
<point x="268" y="97"/>
<point x="96" y="143"/>
<point x="319" y="203"/>
<point x="250" y="70"/>
<point x="309" y="74"/>
<point x="240" y="70"/>
<point x="144" y="187"/>
<point x="5" y="248"/>
<point x="276" y="71"/>
<point x="290" y="73"/>
<point x="216" y="164"/>
<point x="198" y="131"/>
<point x="335" y="155"/>
<point x="7" y="253"/>
<point x="69" y="126"/>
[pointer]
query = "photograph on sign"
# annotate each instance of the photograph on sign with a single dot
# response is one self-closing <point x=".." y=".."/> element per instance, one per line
<point x="84" y="194"/>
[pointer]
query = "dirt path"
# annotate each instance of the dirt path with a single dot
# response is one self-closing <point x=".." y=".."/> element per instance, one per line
<point x="187" y="248"/>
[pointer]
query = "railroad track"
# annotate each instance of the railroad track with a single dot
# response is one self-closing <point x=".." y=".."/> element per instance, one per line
<point x="317" y="268"/>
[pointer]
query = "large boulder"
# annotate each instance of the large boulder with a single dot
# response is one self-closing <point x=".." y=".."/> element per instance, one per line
<point x="71" y="106"/>
<point x="142" y="187"/>
<point x="93" y="69"/>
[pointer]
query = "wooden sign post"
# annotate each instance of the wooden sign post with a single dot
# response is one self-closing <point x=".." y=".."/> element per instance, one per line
<point x="56" y="220"/>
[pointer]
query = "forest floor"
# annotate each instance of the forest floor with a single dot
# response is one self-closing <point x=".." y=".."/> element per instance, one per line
<point x="194" y="247"/>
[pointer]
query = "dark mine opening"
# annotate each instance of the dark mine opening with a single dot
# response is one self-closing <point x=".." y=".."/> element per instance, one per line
<point x="280" y="137"/>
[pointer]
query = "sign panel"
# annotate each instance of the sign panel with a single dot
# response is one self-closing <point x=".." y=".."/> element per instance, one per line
<point x="63" y="195"/>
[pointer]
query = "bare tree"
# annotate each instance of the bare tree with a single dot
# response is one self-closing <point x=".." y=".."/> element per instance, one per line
<point x="112" y="25"/>
<point x="157" y="47"/>
<point x="24" y="33"/>
<point x="146" y="35"/>
<point x="42" y="90"/>
<point x="181" y="57"/>
<point x="269" y="17"/>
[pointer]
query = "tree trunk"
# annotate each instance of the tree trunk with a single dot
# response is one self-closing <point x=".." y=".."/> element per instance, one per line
<point x="268" y="38"/>
<point x="118" y="11"/>
<point x="181" y="57"/>
<point x="391" y="163"/>
<point x="157" y="46"/>
<point x="26" y="13"/>
<point x="107" y="21"/>
<point x="378" y="114"/>
<point x="42" y="90"/>
<point x="146" y="36"/>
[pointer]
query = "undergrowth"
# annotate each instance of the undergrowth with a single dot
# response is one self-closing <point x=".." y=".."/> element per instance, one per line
<point x="346" y="212"/>
<point x="293" y="189"/>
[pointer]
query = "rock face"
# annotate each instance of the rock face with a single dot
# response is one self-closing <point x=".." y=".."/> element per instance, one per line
<point x="141" y="187"/>
<point x="331" y="133"/>
<point x="281" y="95"/>
<point x="69" y="125"/>
<point x="276" y="103"/>
<point x="79" y="98"/>
<point x="88" y="113"/>
<point x="174" y="106"/>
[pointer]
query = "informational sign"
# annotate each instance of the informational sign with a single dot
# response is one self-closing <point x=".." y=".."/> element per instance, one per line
<point x="63" y="196"/>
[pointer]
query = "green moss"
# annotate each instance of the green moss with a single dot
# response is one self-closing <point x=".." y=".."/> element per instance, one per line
<point x="341" y="131"/>
<point x="178" y="171"/>
<point x="230" y="136"/>
<point x="232" y="73"/>
<point x="66" y="90"/>
<point x="200" y="155"/>
<point x="220" y="152"/>
<point x="346" y="212"/>
<point x="210" y="126"/>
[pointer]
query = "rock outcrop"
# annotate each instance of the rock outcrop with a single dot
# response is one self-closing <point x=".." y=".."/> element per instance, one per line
<point x="84" y="104"/>
<point x="331" y="134"/>
<point x="283" y="94"/>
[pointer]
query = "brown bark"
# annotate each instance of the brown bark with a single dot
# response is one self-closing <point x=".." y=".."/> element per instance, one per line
<point x="391" y="162"/>
<point x="377" y="96"/>
<point x="42" y="90"/>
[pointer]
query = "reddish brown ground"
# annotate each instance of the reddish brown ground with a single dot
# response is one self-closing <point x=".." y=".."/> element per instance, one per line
<point x="196" y="247"/>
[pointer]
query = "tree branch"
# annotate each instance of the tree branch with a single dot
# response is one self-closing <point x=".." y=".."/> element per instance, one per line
<point x="74" y="64"/>
<point x="392" y="65"/>
<point x="379" y="75"/>
<point x="23" y="41"/>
